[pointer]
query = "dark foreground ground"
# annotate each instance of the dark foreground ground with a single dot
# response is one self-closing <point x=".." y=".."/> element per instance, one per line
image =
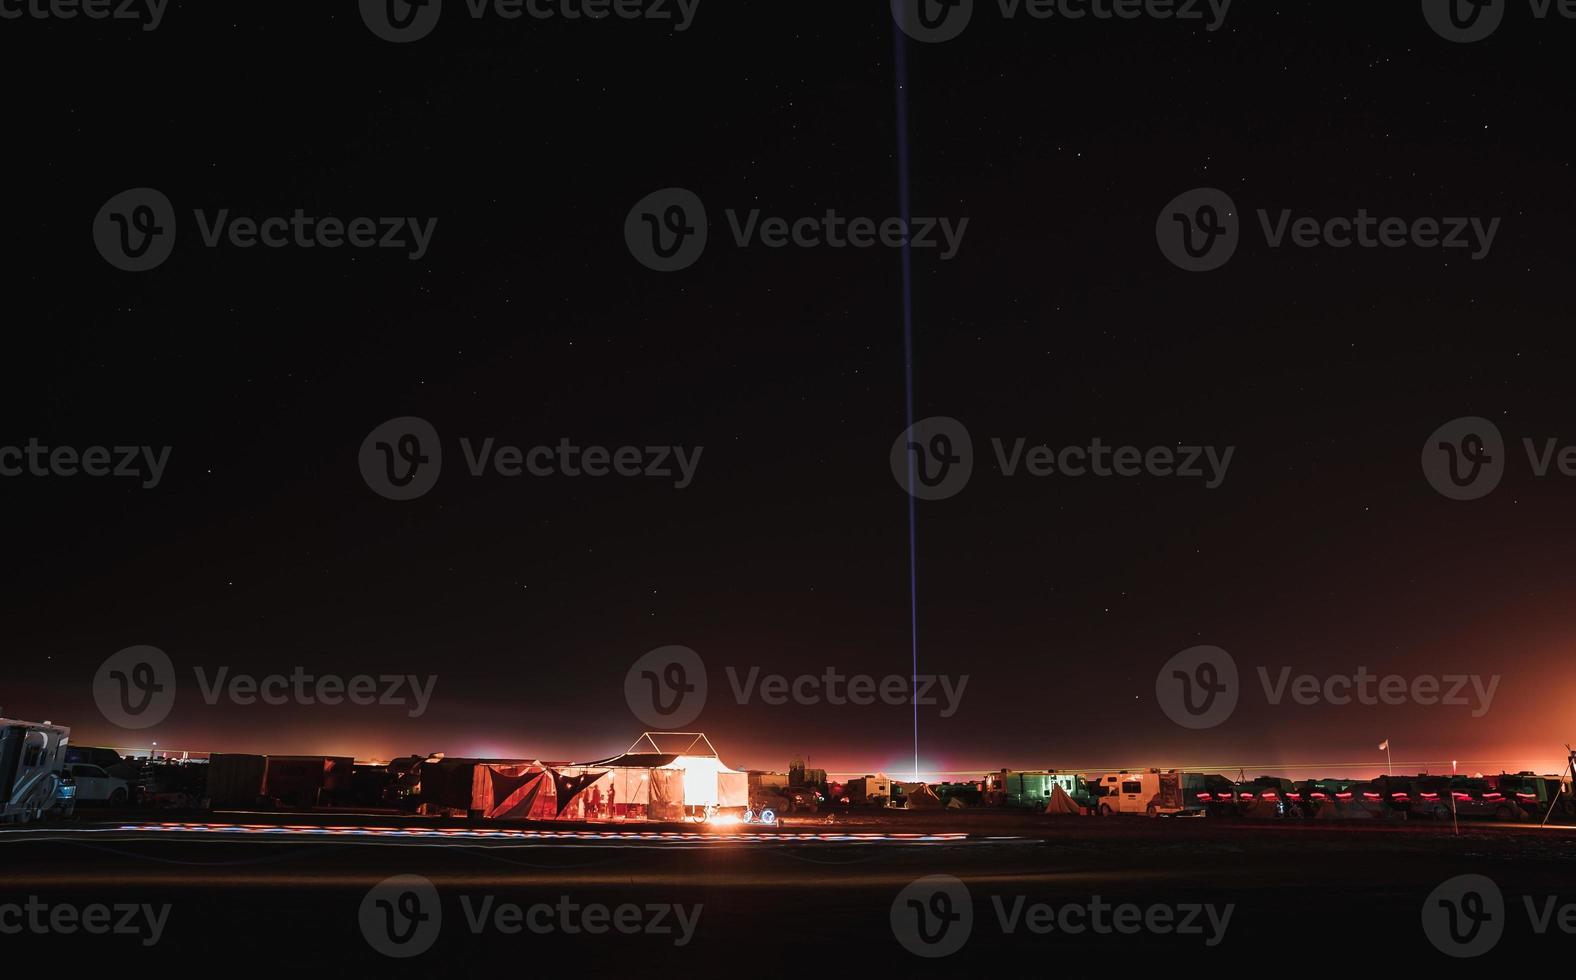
<point x="786" y="905"/>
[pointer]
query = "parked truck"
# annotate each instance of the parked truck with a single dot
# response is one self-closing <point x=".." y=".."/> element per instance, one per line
<point x="1535" y="796"/>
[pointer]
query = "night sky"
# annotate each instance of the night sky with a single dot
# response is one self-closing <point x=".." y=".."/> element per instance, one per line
<point x="1059" y="321"/>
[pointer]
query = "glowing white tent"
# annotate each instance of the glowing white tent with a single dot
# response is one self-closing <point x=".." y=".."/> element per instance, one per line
<point x="672" y="778"/>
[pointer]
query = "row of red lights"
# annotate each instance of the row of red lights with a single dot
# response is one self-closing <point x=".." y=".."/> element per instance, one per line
<point x="1274" y="795"/>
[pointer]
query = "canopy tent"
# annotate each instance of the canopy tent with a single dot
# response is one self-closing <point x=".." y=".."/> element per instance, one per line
<point x="1060" y="804"/>
<point x="921" y="797"/>
<point x="635" y="785"/>
<point x="649" y="773"/>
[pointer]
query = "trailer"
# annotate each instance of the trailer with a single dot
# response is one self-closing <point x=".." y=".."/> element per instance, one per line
<point x="1032" y="789"/>
<point x="869" y="790"/>
<point x="33" y="781"/>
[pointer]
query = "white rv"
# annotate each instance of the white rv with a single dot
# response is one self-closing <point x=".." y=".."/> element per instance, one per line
<point x="1152" y="793"/>
<point x="32" y="777"/>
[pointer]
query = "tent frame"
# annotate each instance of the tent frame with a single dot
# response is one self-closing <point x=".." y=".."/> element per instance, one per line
<point x="696" y="738"/>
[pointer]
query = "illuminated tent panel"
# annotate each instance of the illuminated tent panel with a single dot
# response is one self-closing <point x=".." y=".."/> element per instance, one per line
<point x="635" y="785"/>
<point x="504" y="792"/>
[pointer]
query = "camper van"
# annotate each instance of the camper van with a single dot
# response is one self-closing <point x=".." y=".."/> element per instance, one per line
<point x="1153" y="793"/>
<point x="32" y="781"/>
<point x="870" y="790"/>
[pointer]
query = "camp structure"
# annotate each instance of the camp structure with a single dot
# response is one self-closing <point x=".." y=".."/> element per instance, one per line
<point x="919" y="796"/>
<point x="284" y="781"/>
<point x="1028" y="789"/>
<point x="677" y="778"/>
<point x="1060" y="804"/>
<point x="665" y="776"/>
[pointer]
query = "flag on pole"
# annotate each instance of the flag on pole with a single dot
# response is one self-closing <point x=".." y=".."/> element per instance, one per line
<point x="1384" y="746"/>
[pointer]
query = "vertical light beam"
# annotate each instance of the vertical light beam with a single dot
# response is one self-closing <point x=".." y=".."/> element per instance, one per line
<point x="900" y="70"/>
